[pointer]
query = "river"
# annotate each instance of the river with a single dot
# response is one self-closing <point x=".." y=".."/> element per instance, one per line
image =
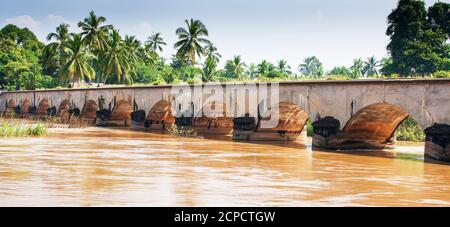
<point x="113" y="167"/>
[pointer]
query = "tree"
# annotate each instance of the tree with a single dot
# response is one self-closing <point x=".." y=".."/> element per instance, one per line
<point x="357" y="69"/>
<point x="209" y="69"/>
<point x="95" y="35"/>
<point x="77" y="67"/>
<point x="418" y="44"/>
<point x="155" y="42"/>
<point x="371" y="67"/>
<point x="22" y="37"/>
<point x="311" y="66"/>
<point x="283" y="67"/>
<point x="438" y="18"/>
<point x="57" y="50"/>
<point x="116" y="60"/>
<point x="340" y="71"/>
<point x="191" y="41"/>
<point x="211" y="52"/>
<point x="252" y="71"/>
<point x="264" y="68"/>
<point x="235" y="67"/>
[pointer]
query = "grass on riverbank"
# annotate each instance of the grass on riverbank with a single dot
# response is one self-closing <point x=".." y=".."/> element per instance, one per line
<point x="8" y="129"/>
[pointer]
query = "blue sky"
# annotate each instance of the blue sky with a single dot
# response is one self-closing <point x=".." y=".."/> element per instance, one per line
<point x="336" y="31"/>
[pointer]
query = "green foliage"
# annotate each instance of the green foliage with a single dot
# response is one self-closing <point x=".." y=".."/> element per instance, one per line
<point x="21" y="130"/>
<point x="409" y="130"/>
<point x="181" y="132"/>
<point x="418" y="38"/>
<point x="311" y="66"/>
<point x="309" y="128"/>
<point x="441" y="74"/>
<point x="191" y="41"/>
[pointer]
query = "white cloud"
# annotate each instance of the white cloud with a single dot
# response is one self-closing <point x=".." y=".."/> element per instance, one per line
<point x="24" y="21"/>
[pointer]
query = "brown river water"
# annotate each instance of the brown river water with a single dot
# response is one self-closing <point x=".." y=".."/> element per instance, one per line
<point x="112" y="167"/>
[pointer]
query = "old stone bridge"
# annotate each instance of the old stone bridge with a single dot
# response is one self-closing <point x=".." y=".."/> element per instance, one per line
<point x="346" y="114"/>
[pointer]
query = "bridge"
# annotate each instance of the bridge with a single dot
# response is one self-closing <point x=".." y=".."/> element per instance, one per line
<point x="345" y="114"/>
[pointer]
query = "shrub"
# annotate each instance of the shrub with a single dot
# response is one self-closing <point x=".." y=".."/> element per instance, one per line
<point x="20" y="130"/>
<point x="409" y="130"/>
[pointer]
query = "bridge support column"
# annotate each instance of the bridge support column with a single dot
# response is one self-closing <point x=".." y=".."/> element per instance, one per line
<point x="437" y="145"/>
<point x="325" y="133"/>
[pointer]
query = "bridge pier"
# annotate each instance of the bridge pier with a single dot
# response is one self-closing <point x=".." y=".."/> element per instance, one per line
<point x="437" y="144"/>
<point x="325" y="133"/>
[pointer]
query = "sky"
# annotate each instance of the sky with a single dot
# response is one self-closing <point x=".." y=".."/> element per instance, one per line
<point x="336" y="31"/>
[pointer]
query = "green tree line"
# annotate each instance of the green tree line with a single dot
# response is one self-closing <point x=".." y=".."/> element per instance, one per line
<point x="99" y="55"/>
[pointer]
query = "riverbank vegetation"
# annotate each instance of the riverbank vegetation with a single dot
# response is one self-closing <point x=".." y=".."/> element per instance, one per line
<point x="14" y="129"/>
<point x="409" y="130"/>
<point x="174" y="130"/>
<point x="99" y="55"/>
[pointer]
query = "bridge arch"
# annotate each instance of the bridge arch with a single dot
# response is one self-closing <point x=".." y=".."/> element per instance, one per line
<point x="161" y="112"/>
<point x="25" y="107"/>
<point x="291" y="118"/>
<point x="374" y="124"/>
<point x="90" y="109"/>
<point x="122" y="110"/>
<point x="43" y="106"/>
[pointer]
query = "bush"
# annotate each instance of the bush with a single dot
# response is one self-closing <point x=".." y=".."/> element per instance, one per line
<point x="16" y="130"/>
<point x="441" y="74"/>
<point x="175" y="131"/>
<point x="409" y="130"/>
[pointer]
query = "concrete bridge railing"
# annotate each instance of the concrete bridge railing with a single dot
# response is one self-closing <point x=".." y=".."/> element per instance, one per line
<point x="346" y="114"/>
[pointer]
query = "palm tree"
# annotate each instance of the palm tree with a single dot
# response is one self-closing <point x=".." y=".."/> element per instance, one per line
<point x="371" y="66"/>
<point x="265" y="67"/>
<point x="77" y="67"/>
<point x="132" y="48"/>
<point x="283" y="67"/>
<point x="211" y="52"/>
<point x="209" y="69"/>
<point x="116" y="61"/>
<point x="357" y="68"/>
<point x="95" y="35"/>
<point x="56" y="51"/>
<point x="252" y="71"/>
<point x="311" y="66"/>
<point x="235" y="67"/>
<point x="155" y="42"/>
<point x="191" y="41"/>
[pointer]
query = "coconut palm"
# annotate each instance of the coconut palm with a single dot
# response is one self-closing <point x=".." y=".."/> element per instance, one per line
<point x="357" y="68"/>
<point x="235" y="67"/>
<point x="211" y="52"/>
<point x="191" y="41"/>
<point x="55" y="52"/>
<point x="132" y="48"/>
<point x="209" y="69"/>
<point x="371" y="66"/>
<point x="155" y="42"/>
<point x="265" y="67"/>
<point x="95" y="35"/>
<point x="283" y="67"/>
<point x="77" y="67"/>
<point x="115" y="61"/>
<point x="252" y="71"/>
<point x="311" y="66"/>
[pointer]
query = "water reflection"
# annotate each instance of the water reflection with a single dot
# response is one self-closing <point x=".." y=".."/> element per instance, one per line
<point x="105" y="167"/>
